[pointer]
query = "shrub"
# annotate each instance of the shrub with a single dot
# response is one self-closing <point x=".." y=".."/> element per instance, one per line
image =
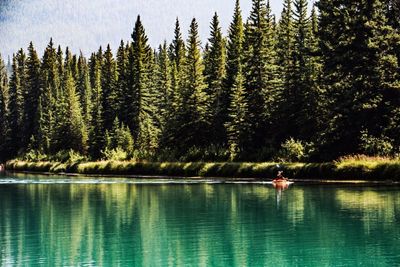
<point x="291" y="151"/>
<point x="75" y="157"/>
<point x="115" y="154"/>
<point x="375" y="146"/>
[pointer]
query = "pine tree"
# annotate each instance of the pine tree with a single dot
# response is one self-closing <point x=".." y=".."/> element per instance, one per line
<point x="84" y="89"/>
<point x="50" y="82"/>
<point x="360" y="71"/>
<point x="74" y="131"/>
<point x="215" y="73"/>
<point x="178" y="61"/>
<point x="195" y="102"/>
<point x="15" y="109"/>
<point x="31" y="94"/>
<point x="4" y="130"/>
<point x="141" y="110"/>
<point x="164" y="87"/>
<point x="178" y="49"/>
<point x="261" y="73"/>
<point x="96" y="132"/>
<point x="234" y="48"/>
<point x="122" y="80"/>
<point x="108" y="84"/>
<point x="238" y="124"/>
<point x="294" y="109"/>
<point x="285" y="44"/>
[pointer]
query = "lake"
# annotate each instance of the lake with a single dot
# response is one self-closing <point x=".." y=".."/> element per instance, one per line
<point x="62" y="221"/>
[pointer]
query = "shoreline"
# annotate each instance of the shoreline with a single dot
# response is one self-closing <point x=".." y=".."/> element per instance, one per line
<point x="308" y="173"/>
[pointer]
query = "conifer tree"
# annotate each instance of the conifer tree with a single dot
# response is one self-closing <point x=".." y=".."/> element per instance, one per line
<point x="74" y="130"/>
<point x="285" y="44"/>
<point x="3" y="111"/>
<point x="359" y="71"/>
<point x="15" y="107"/>
<point x="234" y="47"/>
<point x="60" y="61"/>
<point x="238" y="124"/>
<point x="178" y="49"/>
<point x="164" y="86"/>
<point x="108" y="84"/>
<point x="31" y="94"/>
<point x="50" y="82"/>
<point x="84" y="89"/>
<point x="195" y="102"/>
<point x="261" y="73"/>
<point x="215" y="73"/>
<point x="96" y="133"/>
<point x="141" y="109"/>
<point x="294" y="111"/>
<point x="122" y="80"/>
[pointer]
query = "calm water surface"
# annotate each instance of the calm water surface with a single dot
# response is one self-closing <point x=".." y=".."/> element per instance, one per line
<point x="56" y="221"/>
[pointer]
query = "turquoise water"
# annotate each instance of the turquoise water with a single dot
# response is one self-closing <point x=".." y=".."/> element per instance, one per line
<point x="59" y="221"/>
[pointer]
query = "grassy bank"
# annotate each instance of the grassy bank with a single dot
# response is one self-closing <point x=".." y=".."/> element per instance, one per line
<point x="346" y="169"/>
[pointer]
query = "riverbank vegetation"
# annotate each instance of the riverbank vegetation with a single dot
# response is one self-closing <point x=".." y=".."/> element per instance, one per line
<point x="311" y="86"/>
<point x="348" y="168"/>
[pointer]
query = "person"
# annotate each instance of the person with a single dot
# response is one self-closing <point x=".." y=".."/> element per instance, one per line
<point x="279" y="176"/>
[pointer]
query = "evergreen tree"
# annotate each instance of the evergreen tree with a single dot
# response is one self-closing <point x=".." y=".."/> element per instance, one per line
<point x="15" y="107"/>
<point x="60" y="61"/>
<point x="122" y="80"/>
<point x="141" y="110"/>
<point x="238" y="125"/>
<point x="296" y="103"/>
<point x="195" y="103"/>
<point x="178" y="59"/>
<point x="108" y="84"/>
<point x="31" y="94"/>
<point x="285" y="45"/>
<point x="164" y="87"/>
<point x="74" y="131"/>
<point x="96" y="132"/>
<point x="178" y="49"/>
<point x="50" y="86"/>
<point x="84" y="89"/>
<point x="234" y="48"/>
<point x="215" y="73"/>
<point x="359" y="71"/>
<point x="261" y="74"/>
<point x="3" y="111"/>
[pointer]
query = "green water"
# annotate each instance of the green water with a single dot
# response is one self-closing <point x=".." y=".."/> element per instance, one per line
<point x="47" y="221"/>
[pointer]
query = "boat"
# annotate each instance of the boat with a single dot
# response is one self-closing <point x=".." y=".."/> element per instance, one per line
<point x="281" y="183"/>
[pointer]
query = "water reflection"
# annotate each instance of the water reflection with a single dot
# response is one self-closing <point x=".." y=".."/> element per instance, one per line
<point x="197" y="225"/>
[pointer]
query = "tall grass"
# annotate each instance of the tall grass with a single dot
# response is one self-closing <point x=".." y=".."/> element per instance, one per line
<point x="349" y="168"/>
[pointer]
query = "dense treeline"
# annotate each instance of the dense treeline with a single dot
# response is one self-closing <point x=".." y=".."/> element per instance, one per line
<point x="312" y="86"/>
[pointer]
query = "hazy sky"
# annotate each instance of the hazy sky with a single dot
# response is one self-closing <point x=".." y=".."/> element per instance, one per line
<point x="87" y="24"/>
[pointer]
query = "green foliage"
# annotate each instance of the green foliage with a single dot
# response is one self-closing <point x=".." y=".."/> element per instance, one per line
<point x="215" y="73"/>
<point x="119" y="142"/>
<point x="115" y="154"/>
<point x="360" y="71"/>
<point x="261" y="73"/>
<point x="108" y="84"/>
<point x="329" y="77"/>
<point x="376" y="146"/>
<point x="4" y="130"/>
<point x="292" y="151"/>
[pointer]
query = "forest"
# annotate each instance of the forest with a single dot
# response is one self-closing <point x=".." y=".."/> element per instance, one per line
<point x="307" y="85"/>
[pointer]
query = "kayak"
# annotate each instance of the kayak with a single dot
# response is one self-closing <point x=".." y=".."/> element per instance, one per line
<point x="281" y="183"/>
